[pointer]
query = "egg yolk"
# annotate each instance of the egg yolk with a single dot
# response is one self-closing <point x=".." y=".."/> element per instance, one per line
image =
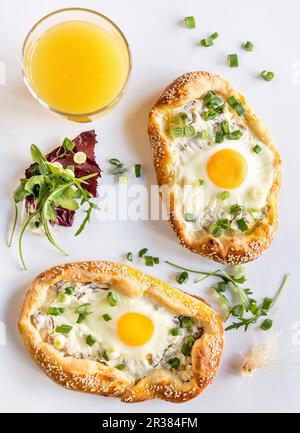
<point x="227" y="168"/>
<point x="135" y="329"/>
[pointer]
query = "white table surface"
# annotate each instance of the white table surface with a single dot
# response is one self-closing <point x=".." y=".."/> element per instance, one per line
<point x="162" y="49"/>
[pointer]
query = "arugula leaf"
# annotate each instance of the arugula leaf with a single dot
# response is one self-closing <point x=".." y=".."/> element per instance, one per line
<point x="38" y="157"/>
<point x="87" y="218"/>
<point x="66" y="199"/>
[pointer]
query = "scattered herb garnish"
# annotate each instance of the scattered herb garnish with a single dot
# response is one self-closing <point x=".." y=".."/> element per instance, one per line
<point x="129" y="256"/>
<point x="90" y="340"/>
<point x="182" y="278"/>
<point x="111" y="299"/>
<point x="232" y="284"/>
<point x="55" y="311"/>
<point x="174" y="362"/>
<point x="137" y="170"/>
<point x="106" y="317"/>
<point x="82" y="312"/>
<point x="63" y="329"/>
<point x="207" y="42"/>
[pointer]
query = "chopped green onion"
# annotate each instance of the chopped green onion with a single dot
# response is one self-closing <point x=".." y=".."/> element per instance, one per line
<point x="238" y="311"/>
<point x="233" y="60"/>
<point x="175" y="331"/>
<point x="79" y="157"/>
<point x="189" y="131"/>
<point x="142" y="252"/>
<point x="129" y="256"/>
<point x="115" y="161"/>
<point x="266" y="324"/>
<point x="189" y="217"/>
<point x="239" y="108"/>
<point x="216" y="231"/>
<point x="182" y="278"/>
<point x="137" y="169"/>
<point x="149" y="261"/>
<point x="69" y="145"/>
<point x="225" y="126"/>
<point x="268" y="76"/>
<point x="224" y="223"/>
<point x="191" y="339"/>
<point x="105" y="356"/>
<point x="267" y="304"/>
<point x="106" y="317"/>
<point x="69" y="290"/>
<point x="174" y="362"/>
<point x="242" y="225"/>
<point x="55" y="311"/>
<point x="210" y="115"/>
<point x="200" y="182"/>
<point x="208" y="96"/>
<point x="185" y="322"/>
<point x="236" y="209"/>
<point x="119" y="170"/>
<point x="176" y="131"/>
<point x="219" y="138"/>
<point x="235" y="135"/>
<point x="215" y="102"/>
<point x="111" y="300"/>
<point x="232" y="101"/>
<point x="120" y="367"/>
<point x="62" y="297"/>
<point x="248" y="46"/>
<point x="224" y="195"/>
<point x="186" y="349"/>
<point x="90" y="340"/>
<point x="183" y="116"/>
<point x="63" y="329"/>
<point x="257" y="149"/>
<point x="204" y="134"/>
<point x="190" y="22"/>
<point x="206" y="42"/>
<point x="214" y="36"/>
<point x="156" y="260"/>
<point x="82" y="316"/>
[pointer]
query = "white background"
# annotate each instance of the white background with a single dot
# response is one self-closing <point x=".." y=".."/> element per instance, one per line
<point x="162" y="49"/>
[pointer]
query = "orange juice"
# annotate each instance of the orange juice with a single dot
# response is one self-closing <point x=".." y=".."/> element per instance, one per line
<point x="77" y="67"/>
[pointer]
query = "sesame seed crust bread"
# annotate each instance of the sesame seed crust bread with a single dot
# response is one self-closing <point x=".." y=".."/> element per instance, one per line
<point x="224" y="249"/>
<point x="97" y="378"/>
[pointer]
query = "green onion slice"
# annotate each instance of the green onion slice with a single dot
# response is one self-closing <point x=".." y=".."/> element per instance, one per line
<point x="177" y="131"/>
<point x="224" y="195"/>
<point x="186" y="322"/>
<point x="233" y="60"/>
<point x="115" y="161"/>
<point x="137" y="170"/>
<point x="242" y="225"/>
<point x="267" y="75"/>
<point x="189" y="217"/>
<point x="106" y="317"/>
<point x="142" y="252"/>
<point x="214" y="36"/>
<point x="68" y="144"/>
<point x="248" y="46"/>
<point x="236" y="209"/>
<point x="149" y="261"/>
<point x="90" y="340"/>
<point x="257" y="149"/>
<point x="174" y="362"/>
<point x="55" y="311"/>
<point x="175" y="331"/>
<point x="235" y="135"/>
<point x="111" y="300"/>
<point x="266" y="324"/>
<point x="182" y="278"/>
<point x="69" y="290"/>
<point x="190" y="22"/>
<point x="206" y="42"/>
<point x="63" y="329"/>
<point x="189" y="131"/>
<point x="129" y="256"/>
<point x="80" y="157"/>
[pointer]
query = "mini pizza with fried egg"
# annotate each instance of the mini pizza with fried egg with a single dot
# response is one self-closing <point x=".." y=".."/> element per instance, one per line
<point x="108" y="329"/>
<point x="218" y="168"/>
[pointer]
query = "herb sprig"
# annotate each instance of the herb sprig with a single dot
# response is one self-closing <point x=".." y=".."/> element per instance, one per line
<point x="51" y="186"/>
<point x="232" y="284"/>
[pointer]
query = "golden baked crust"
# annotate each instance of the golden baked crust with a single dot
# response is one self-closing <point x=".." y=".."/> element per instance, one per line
<point x="93" y="376"/>
<point x="232" y="250"/>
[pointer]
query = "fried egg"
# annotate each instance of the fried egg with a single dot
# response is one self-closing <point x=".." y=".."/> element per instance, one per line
<point x="133" y="331"/>
<point x="204" y="169"/>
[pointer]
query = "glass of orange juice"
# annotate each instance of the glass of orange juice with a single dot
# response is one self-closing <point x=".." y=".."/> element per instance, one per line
<point x="77" y="63"/>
